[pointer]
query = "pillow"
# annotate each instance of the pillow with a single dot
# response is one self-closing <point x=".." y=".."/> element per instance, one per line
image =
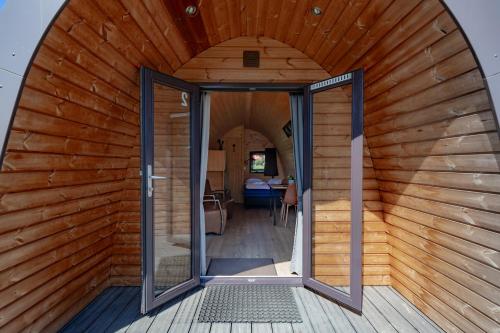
<point x="275" y="181"/>
<point x="253" y="180"/>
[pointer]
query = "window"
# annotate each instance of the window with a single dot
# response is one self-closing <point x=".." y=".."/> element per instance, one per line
<point x="257" y="161"/>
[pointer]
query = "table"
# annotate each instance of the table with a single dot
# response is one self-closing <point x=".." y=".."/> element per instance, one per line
<point x="276" y="187"/>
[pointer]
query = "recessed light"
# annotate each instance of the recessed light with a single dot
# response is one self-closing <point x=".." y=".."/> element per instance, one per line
<point x="191" y="10"/>
<point x="316" y="11"/>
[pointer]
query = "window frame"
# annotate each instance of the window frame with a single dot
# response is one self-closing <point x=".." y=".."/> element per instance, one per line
<point x="251" y="160"/>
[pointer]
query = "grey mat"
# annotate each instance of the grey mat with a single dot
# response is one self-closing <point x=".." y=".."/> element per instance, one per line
<point x="242" y="267"/>
<point x="249" y="304"/>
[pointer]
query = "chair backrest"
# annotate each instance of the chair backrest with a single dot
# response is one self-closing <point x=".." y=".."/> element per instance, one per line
<point x="291" y="195"/>
<point x="208" y="189"/>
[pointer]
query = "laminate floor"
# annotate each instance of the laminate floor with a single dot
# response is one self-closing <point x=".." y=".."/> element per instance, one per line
<point x="250" y="233"/>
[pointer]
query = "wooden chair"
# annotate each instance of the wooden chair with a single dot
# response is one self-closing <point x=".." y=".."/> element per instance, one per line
<point x="290" y="199"/>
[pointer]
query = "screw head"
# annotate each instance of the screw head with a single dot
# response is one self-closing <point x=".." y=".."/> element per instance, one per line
<point x="191" y="10"/>
<point x="316" y="11"/>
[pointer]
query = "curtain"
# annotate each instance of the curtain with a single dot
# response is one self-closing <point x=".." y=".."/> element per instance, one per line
<point x="271" y="166"/>
<point x="205" y="136"/>
<point x="296" y="107"/>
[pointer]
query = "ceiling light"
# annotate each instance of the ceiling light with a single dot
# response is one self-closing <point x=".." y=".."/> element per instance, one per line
<point x="316" y="11"/>
<point x="191" y="10"/>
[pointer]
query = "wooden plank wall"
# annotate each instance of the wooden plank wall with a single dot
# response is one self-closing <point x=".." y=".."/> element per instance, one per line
<point x="69" y="203"/>
<point x="434" y="145"/>
<point x="331" y="195"/>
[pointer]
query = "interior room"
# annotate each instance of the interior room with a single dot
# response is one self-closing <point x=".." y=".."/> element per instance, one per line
<point x="251" y="171"/>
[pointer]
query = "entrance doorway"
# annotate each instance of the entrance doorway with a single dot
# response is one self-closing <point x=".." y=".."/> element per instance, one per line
<point x="251" y="169"/>
<point x="176" y="176"/>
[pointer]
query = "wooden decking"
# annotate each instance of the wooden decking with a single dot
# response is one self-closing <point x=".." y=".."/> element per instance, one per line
<point x="384" y="310"/>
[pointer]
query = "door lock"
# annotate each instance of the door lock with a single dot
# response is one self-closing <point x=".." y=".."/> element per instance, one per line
<point x="150" y="179"/>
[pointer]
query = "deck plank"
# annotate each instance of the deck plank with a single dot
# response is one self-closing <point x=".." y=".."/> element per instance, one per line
<point x="185" y="315"/>
<point x="384" y="310"/>
<point x="262" y="328"/>
<point x="128" y="316"/>
<point x="220" y="328"/>
<point x="282" y="327"/>
<point x="410" y="311"/>
<point x="111" y="312"/>
<point x="337" y="318"/>
<point x="165" y="315"/>
<point x="400" y="323"/>
<point x="305" y="325"/>
<point x="142" y="323"/>
<point x="87" y="316"/>
<point x="241" y="328"/>
<point x="378" y="321"/>
<point x="197" y="327"/>
<point x="358" y="322"/>
<point x="317" y="316"/>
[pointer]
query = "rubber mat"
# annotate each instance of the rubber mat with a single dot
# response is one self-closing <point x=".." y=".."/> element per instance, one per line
<point x="242" y="267"/>
<point x="248" y="303"/>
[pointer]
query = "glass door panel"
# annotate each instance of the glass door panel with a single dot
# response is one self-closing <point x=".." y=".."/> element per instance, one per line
<point x="331" y="183"/>
<point x="333" y="175"/>
<point x="171" y="195"/>
<point x="170" y="165"/>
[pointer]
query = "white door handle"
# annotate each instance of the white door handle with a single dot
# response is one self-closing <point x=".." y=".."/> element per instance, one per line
<point x="150" y="179"/>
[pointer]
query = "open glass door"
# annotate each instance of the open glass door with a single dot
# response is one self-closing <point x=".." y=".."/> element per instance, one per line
<point x="170" y="134"/>
<point x="333" y="187"/>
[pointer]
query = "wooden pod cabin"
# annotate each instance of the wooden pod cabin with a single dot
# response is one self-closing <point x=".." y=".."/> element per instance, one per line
<point x="348" y="149"/>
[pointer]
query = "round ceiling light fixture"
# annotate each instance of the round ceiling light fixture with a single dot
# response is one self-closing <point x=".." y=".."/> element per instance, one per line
<point x="316" y="11"/>
<point x="191" y="10"/>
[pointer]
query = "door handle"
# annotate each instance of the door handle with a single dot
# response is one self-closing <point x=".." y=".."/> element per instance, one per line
<point x="150" y="179"/>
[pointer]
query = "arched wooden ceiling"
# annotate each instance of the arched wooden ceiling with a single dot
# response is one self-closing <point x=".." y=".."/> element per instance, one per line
<point x="266" y="112"/>
<point x="337" y="40"/>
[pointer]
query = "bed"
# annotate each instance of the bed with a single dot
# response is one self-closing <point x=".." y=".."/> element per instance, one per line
<point x="258" y="193"/>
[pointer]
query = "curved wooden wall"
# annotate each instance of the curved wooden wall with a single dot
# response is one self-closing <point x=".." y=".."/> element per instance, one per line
<point x="69" y="181"/>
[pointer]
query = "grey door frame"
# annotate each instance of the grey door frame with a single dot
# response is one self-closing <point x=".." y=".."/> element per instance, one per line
<point x="353" y="300"/>
<point x="148" y="78"/>
<point x="297" y="88"/>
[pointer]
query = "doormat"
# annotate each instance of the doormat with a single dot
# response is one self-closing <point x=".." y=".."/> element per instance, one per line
<point x="241" y="267"/>
<point x="249" y="304"/>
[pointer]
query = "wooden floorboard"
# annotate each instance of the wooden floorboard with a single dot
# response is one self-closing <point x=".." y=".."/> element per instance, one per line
<point x="241" y="328"/>
<point x="117" y="309"/>
<point x="337" y="318"/>
<point x="185" y="315"/>
<point x="250" y="233"/>
<point x="165" y="316"/>
<point x="388" y="312"/>
<point x="418" y="321"/>
<point x="262" y="328"/>
<point x="86" y="317"/>
<point x="113" y="310"/>
<point x="197" y="327"/>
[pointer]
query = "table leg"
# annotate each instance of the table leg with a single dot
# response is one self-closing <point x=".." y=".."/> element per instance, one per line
<point x="274" y="210"/>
